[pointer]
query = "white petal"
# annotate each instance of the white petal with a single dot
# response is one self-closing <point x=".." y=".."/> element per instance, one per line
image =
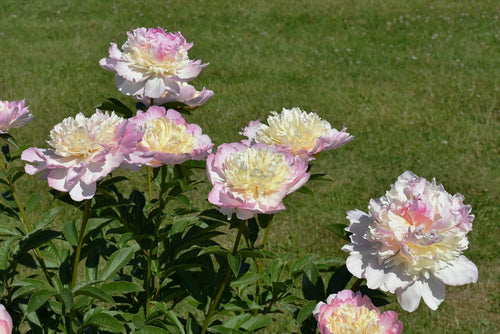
<point x="129" y="87"/>
<point x="463" y="271"/>
<point x="154" y="88"/>
<point x="409" y="298"/>
<point x="433" y="292"/>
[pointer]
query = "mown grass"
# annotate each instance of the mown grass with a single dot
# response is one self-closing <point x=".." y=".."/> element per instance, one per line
<point x="416" y="83"/>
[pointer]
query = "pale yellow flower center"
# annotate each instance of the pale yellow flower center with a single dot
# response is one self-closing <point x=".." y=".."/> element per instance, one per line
<point x="255" y="173"/>
<point x="82" y="137"/>
<point x="163" y="135"/>
<point x="349" y="319"/>
<point x="295" y="128"/>
<point x="145" y="59"/>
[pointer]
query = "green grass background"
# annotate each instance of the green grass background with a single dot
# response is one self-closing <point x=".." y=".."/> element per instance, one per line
<point x="416" y="82"/>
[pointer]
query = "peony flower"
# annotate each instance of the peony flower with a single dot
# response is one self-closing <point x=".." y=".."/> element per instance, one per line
<point x="84" y="150"/>
<point x="249" y="180"/>
<point x="411" y="242"/>
<point x="187" y="94"/>
<point x="168" y="138"/>
<point x="13" y="115"/>
<point x="153" y="61"/>
<point x="348" y="312"/>
<point x="298" y="132"/>
<point x="5" y="321"/>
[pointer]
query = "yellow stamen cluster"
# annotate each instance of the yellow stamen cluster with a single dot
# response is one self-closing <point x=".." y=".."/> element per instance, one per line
<point x="163" y="135"/>
<point x="349" y="319"/>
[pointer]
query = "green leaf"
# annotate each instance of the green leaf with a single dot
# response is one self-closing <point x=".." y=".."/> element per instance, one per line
<point x="224" y="330"/>
<point x="115" y="105"/>
<point x="32" y="202"/>
<point x="257" y="322"/>
<point x="36" y="238"/>
<point x="106" y="321"/>
<point x="321" y="177"/>
<point x="47" y="217"/>
<point x="148" y="329"/>
<point x="39" y="298"/>
<point x="339" y="230"/>
<point x="217" y="250"/>
<point x="5" y="248"/>
<point x="297" y="265"/>
<point x="71" y="233"/>
<point x="305" y="190"/>
<point x="339" y="280"/>
<point x="306" y="311"/>
<point x="244" y="280"/>
<point x="117" y="261"/>
<point x="312" y="283"/>
<point x="94" y="292"/>
<point x="234" y="261"/>
<point x="9" y="231"/>
<point x="67" y="298"/>
<point x="9" y="139"/>
<point x="121" y="288"/>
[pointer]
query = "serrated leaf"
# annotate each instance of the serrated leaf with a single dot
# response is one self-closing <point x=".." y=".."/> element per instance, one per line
<point x="71" y="233"/>
<point x="106" y="321"/>
<point x="234" y="261"/>
<point x="306" y="311"/>
<point x="117" y="261"/>
<point x="94" y="292"/>
<point x="39" y="298"/>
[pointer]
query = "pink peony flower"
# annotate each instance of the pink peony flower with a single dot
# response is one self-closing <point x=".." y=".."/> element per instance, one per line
<point x="168" y="138"/>
<point x="298" y="132"/>
<point x="412" y="241"/>
<point x="348" y="312"/>
<point x="187" y="94"/>
<point x="249" y="180"/>
<point x="5" y="321"/>
<point x="13" y="115"/>
<point x="153" y="62"/>
<point x="84" y="150"/>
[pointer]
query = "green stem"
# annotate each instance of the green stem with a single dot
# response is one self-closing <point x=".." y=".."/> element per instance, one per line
<point x="260" y="262"/>
<point x="357" y="284"/>
<point x="150" y="182"/>
<point x="85" y="219"/>
<point x="222" y="286"/>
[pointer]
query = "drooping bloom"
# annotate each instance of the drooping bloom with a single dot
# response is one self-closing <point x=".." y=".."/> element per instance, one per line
<point x="84" y="150"/>
<point x="13" y="115"/>
<point x="152" y="62"/>
<point x="296" y="131"/>
<point x="5" y="321"/>
<point x="352" y="313"/>
<point x="168" y="138"/>
<point x="411" y="242"/>
<point x="249" y="180"/>
<point x="187" y="94"/>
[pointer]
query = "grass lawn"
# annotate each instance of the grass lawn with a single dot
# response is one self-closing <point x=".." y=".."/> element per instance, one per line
<point x="416" y="82"/>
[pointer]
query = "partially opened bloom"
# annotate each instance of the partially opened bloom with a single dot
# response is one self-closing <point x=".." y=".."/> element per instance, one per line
<point x="5" y="321"/>
<point x="168" y="138"/>
<point x="84" y="150"/>
<point x="187" y="94"/>
<point x="13" y="115"/>
<point x="249" y="180"/>
<point x="152" y="62"/>
<point x="348" y="312"/>
<point x="301" y="133"/>
<point x="411" y="242"/>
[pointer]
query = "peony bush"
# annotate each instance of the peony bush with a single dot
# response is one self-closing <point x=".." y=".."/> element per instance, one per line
<point x="146" y="259"/>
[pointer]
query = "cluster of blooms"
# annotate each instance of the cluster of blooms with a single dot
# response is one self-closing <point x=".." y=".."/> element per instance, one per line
<point x="410" y="243"/>
<point x="255" y="175"/>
